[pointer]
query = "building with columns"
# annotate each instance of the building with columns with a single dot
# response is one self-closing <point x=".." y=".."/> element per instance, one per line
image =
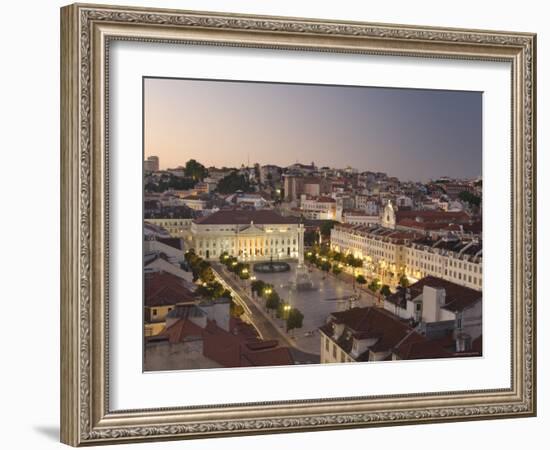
<point x="249" y="235"/>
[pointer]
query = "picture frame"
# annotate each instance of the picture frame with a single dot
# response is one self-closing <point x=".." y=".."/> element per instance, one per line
<point x="87" y="31"/>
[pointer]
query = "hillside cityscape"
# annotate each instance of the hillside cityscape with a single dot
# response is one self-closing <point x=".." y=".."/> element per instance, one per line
<point x="269" y="265"/>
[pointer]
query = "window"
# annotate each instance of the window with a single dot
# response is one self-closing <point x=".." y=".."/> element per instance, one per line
<point x="154" y="312"/>
<point x="334" y="351"/>
<point x="327" y="343"/>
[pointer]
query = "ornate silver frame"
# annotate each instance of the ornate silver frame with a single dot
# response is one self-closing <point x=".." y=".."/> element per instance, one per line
<point x="86" y="31"/>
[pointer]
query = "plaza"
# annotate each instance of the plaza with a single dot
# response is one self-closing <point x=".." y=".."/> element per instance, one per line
<point x="328" y="294"/>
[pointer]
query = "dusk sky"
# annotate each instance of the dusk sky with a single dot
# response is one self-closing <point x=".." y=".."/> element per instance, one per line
<point x="409" y="133"/>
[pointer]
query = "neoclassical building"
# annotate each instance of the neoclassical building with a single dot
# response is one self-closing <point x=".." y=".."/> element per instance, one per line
<point x="250" y="235"/>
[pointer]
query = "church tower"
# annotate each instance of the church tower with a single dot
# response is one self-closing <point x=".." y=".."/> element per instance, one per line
<point x="388" y="216"/>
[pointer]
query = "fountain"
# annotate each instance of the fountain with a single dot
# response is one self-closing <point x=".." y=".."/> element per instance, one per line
<point x="271" y="267"/>
<point x="302" y="279"/>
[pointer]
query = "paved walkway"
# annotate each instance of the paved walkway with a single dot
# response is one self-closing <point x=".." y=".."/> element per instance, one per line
<point x="349" y="278"/>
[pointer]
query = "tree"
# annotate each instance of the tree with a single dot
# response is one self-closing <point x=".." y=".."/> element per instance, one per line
<point x="339" y="257"/>
<point x="170" y="182"/>
<point x="282" y="309"/>
<point x="336" y="270"/>
<point x="257" y="286"/>
<point x="374" y="285"/>
<point x="295" y="319"/>
<point x="272" y="301"/>
<point x="310" y="257"/>
<point x="352" y="261"/>
<point x="244" y="273"/>
<point x="326" y="226"/>
<point x="232" y="183"/>
<point x="204" y="271"/>
<point x="235" y="309"/>
<point x="404" y="281"/>
<point x="310" y="237"/>
<point x="360" y="279"/>
<point x="385" y="290"/>
<point x="195" y="170"/>
<point x="470" y="198"/>
<point x="325" y="266"/>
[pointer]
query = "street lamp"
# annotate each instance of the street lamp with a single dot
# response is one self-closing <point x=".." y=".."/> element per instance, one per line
<point x="286" y="310"/>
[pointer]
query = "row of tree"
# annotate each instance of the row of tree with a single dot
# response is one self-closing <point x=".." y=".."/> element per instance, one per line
<point x="240" y="269"/>
<point x="326" y="259"/>
<point x="208" y="286"/>
<point x="170" y="182"/>
<point x="329" y="260"/>
<point x="293" y="316"/>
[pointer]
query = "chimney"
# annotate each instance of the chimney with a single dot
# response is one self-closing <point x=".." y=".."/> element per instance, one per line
<point x="338" y="329"/>
<point x="432" y="300"/>
<point x="220" y="313"/>
<point x="463" y="342"/>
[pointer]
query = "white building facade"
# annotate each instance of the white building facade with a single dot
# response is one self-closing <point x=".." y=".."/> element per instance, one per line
<point x="248" y="235"/>
<point x="400" y="252"/>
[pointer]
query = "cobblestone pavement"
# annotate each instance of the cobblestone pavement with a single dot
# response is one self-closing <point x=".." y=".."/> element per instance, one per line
<point x="329" y="294"/>
<point x="268" y="327"/>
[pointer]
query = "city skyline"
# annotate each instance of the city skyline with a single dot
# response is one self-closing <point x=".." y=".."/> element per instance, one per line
<point x="227" y="123"/>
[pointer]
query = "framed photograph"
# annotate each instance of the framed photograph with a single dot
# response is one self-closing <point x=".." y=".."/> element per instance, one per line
<point x="275" y="224"/>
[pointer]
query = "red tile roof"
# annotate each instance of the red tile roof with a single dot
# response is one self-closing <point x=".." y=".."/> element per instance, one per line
<point x="433" y="216"/>
<point x="417" y="346"/>
<point x="165" y="289"/>
<point x="369" y="322"/>
<point x="235" y="348"/>
<point x="181" y="329"/>
<point x="457" y="298"/>
<point x="326" y="200"/>
<point x="243" y="217"/>
<point x="411" y="223"/>
<point x="279" y="356"/>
